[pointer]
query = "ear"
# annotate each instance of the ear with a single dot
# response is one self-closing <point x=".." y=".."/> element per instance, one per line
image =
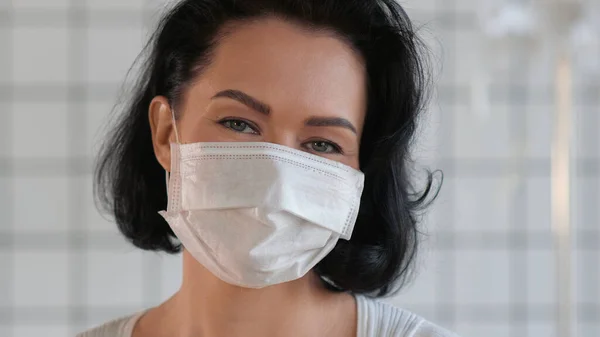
<point x="161" y="125"/>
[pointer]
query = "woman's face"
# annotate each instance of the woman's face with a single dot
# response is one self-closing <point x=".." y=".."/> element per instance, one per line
<point x="272" y="81"/>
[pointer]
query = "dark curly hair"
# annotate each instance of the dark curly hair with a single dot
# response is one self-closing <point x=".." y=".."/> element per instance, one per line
<point x="130" y="183"/>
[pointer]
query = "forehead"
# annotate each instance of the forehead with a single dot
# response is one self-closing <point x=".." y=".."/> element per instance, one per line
<point x="290" y="68"/>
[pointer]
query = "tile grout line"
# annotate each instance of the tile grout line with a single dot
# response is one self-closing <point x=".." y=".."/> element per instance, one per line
<point x="152" y="285"/>
<point x="468" y="240"/>
<point x="518" y="240"/>
<point x="8" y="134"/>
<point x="445" y="291"/>
<point x="78" y="26"/>
<point x="453" y="168"/>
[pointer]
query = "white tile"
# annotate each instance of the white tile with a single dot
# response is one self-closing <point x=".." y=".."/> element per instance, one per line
<point x="449" y="101"/>
<point x="40" y="130"/>
<point x="541" y="278"/>
<point x="464" y="6"/>
<point x="538" y="204"/>
<point x="121" y="18"/>
<point x="420" y="16"/>
<point x="103" y="95"/>
<point x="535" y="329"/>
<point x="6" y="199"/>
<point x="540" y="123"/>
<point x="588" y="329"/>
<point x="587" y="123"/>
<point x="100" y="316"/>
<point x="445" y="292"/>
<point x="6" y="281"/>
<point x="46" y="331"/>
<point x="172" y="271"/>
<point x="40" y="55"/>
<point x="96" y="221"/>
<point x="481" y="204"/>
<point x="439" y="216"/>
<point x="40" y="17"/>
<point x="41" y="204"/>
<point x="5" y="329"/>
<point x="5" y="128"/>
<point x="587" y="278"/>
<point x="428" y="146"/>
<point x="586" y="198"/>
<point x="108" y="240"/>
<point x="482" y="277"/>
<point x="112" y="53"/>
<point x="41" y="279"/>
<point x="414" y="6"/>
<point x="158" y="3"/>
<point x="483" y="136"/>
<point x="474" y="329"/>
<point x="152" y="268"/>
<point x="5" y="58"/>
<point x="41" y="4"/>
<point x="99" y="120"/>
<point x="428" y="225"/>
<point x="422" y="290"/>
<point x="543" y="70"/>
<point x="462" y="71"/>
<point x="115" y="278"/>
<point x="115" y="4"/>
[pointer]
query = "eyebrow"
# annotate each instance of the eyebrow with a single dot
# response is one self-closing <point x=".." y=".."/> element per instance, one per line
<point x="265" y="109"/>
<point x="245" y="99"/>
<point x="331" y="121"/>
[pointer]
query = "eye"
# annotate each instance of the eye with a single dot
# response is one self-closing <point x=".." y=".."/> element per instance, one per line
<point x="321" y="146"/>
<point x="239" y="125"/>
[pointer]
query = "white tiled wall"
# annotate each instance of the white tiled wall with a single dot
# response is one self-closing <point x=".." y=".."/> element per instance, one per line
<point x="487" y="268"/>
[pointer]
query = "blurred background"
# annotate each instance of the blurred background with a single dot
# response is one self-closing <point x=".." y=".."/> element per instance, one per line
<point x="488" y="266"/>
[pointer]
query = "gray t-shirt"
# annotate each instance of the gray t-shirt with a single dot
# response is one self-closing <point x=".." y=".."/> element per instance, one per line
<point x="375" y="319"/>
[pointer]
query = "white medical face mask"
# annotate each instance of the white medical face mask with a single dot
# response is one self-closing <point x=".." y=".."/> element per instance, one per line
<point x="258" y="214"/>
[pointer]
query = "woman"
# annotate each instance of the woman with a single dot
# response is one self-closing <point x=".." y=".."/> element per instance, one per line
<point x="284" y="128"/>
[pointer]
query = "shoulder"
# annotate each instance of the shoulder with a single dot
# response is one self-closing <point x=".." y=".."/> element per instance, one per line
<point x="121" y="327"/>
<point x="376" y="318"/>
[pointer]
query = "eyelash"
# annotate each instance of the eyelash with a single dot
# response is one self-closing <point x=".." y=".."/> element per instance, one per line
<point x="256" y="130"/>
<point x="252" y="126"/>
<point x="336" y="148"/>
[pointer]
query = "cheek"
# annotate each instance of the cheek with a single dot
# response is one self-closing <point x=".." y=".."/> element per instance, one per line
<point x="194" y="132"/>
<point x="354" y="162"/>
<point x="349" y="159"/>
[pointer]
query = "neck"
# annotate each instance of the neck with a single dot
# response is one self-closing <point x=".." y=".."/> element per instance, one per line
<point x="207" y="306"/>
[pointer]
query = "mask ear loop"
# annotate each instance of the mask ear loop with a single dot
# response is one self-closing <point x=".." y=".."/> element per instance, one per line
<point x="175" y="126"/>
<point x="174" y="122"/>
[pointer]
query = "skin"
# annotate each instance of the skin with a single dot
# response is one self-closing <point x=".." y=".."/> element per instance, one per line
<point x="298" y="88"/>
